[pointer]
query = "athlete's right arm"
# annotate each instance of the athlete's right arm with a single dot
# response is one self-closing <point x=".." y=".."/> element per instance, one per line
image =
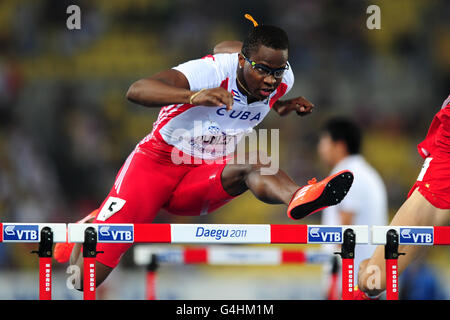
<point x="172" y="87"/>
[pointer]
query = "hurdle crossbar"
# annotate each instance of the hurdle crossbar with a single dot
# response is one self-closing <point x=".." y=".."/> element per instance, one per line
<point x="413" y="235"/>
<point x="31" y="232"/>
<point x="227" y="255"/>
<point x="48" y="233"/>
<point x="217" y="233"/>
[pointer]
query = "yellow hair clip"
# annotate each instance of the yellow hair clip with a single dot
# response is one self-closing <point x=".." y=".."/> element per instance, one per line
<point x="249" y="17"/>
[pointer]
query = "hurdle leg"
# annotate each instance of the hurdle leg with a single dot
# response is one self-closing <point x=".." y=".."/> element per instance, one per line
<point x="391" y="279"/>
<point x="348" y="271"/>
<point x="45" y="263"/>
<point x="89" y="272"/>
<point x="45" y="278"/>
<point x="333" y="289"/>
<point x="391" y="255"/>
<point x="89" y="279"/>
<point x="152" y="267"/>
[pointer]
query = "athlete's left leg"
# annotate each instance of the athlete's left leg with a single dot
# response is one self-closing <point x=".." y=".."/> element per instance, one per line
<point x="277" y="187"/>
<point x="416" y="211"/>
<point x="211" y="186"/>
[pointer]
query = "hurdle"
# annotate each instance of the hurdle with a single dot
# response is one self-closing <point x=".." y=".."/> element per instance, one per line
<point x="43" y="234"/>
<point x="393" y="236"/>
<point x="220" y="234"/>
<point x="154" y="256"/>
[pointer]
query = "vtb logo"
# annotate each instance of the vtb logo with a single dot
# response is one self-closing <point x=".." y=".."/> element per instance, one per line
<point x="21" y="233"/>
<point x="324" y="234"/>
<point x="115" y="233"/>
<point x="416" y="235"/>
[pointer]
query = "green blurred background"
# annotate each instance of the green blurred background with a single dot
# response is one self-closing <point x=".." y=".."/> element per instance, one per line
<point x="66" y="127"/>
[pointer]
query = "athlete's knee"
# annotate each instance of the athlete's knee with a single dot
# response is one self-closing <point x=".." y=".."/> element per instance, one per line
<point x="243" y="171"/>
<point x="263" y="164"/>
<point x="258" y="159"/>
<point x="236" y="177"/>
<point x="238" y="173"/>
<point x="255" y="162"/>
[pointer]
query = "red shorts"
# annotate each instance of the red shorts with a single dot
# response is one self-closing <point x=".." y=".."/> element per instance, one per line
<point x="146" y="184"/>
<point x="434" y="179"/>
<point x="434" y="182"/>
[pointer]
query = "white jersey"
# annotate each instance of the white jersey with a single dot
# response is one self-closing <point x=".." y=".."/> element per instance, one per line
<point x="211" y="132"/>
<point x="366" y="199"/>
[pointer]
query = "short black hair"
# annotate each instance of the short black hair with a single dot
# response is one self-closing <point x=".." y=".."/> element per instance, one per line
<point x="346" y="130"/>
<point x="266" y="35"/>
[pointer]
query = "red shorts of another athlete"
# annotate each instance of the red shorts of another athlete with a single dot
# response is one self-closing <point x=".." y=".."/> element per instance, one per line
<point x="434" y="179"/>
<point x="147" y="183"/>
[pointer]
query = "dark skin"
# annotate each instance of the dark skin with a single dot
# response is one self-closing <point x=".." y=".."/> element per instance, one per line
<point x="172" y="87"/>
<point x="283" y="107"/>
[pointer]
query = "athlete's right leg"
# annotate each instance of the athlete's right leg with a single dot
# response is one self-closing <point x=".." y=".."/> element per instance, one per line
<point x="141" y="188"/>
<point x="279" y="188"/>
<point x="416" y="211"/>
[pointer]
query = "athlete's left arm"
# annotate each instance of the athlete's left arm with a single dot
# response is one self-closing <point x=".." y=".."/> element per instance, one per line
<point x="300" y="105"/>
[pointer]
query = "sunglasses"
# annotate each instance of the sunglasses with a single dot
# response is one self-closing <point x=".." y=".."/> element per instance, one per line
<point x="265" y="70"/>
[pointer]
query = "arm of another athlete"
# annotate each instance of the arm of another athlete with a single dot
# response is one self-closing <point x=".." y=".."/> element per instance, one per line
<point x="171" y="87"/>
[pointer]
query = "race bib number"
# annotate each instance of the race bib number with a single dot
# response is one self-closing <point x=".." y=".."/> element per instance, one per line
<point x="112" y="206"/>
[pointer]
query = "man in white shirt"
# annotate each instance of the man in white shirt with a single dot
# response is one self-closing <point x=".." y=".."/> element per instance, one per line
<point x="366" y="202"/>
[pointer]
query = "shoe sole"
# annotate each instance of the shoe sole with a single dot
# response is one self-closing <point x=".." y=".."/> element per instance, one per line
<point x="333" y="193"/>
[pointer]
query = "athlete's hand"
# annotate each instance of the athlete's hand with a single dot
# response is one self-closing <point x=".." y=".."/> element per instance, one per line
<point x="214" y="97"/>
<point x="300" y="105"/>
